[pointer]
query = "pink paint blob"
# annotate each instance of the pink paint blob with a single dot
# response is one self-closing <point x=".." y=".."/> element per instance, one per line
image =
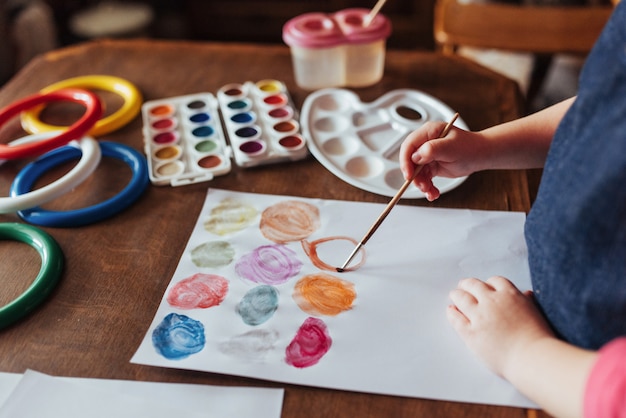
<point x="199" y="291"/>
<point x="269" y="264"/>
<point x="311" y="343"/>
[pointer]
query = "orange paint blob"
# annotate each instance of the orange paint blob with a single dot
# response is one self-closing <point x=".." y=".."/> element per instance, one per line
<point x="288" y="221"/>
<point x="324" y="294"/>
<point x="162" y="110"/>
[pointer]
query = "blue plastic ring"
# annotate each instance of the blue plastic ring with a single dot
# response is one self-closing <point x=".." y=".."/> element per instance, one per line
<point x="27" y="177"/>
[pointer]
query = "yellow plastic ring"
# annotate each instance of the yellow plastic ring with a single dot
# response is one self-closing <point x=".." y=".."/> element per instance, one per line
<point x="129" y="109"/>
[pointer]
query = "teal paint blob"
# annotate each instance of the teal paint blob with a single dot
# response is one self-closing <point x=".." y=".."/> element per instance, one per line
<point x="203" y="131"/>
<point x="258" y="305"/>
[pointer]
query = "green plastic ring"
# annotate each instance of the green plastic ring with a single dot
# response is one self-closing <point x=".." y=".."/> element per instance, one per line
<point x="49" y="274"/>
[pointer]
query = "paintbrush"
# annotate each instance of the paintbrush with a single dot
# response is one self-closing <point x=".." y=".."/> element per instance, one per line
<point x="372" y="14"/>
<point x="392" y="203"/>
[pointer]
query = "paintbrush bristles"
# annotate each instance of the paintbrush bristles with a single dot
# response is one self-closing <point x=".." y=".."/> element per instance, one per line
<point x="393" y="201"/>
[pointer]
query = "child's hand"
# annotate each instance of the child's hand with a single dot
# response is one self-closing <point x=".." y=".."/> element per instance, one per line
<point x="496" y="320"/>
<point x="451" y="156"/>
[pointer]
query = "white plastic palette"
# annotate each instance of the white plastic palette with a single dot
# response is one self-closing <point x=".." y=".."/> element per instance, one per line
<point x="261" y="123"/>
<point x="360" y="142"/>
<point x="184" y="140"/>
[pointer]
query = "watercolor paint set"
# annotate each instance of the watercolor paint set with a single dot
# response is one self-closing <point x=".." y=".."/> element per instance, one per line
<point x="184" y="140"/>
<point x="261" y="122"/>
<point x="192" y="138"/>
<point x="360" y="142"/>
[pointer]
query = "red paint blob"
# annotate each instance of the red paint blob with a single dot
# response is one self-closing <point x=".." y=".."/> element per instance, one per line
<point x="276" y="99"/>
<point x="290" y="141"/>
<point x="164" y="138"/>
<point x="198" y="291"/>
<point x="163" y="124"/>
<point x="311" y="343"/>
<point x="281" y="112"/>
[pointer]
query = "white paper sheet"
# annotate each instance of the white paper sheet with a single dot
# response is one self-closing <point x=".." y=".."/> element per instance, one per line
<point x="8" y="382"/>
<point x="36" y="395"/>
<point x="394" y="340"/>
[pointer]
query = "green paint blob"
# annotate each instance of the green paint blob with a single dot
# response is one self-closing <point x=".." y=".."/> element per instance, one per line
<point x="213" y="254"/>
<point x="206" y="146"/>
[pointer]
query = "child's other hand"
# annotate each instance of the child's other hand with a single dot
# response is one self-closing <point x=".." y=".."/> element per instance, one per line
<point x="496" y="320"/>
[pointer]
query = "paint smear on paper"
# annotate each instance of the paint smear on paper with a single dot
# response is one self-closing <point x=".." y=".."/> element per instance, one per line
<point x="311" y="343"/>
<point x="324" y="294"/>
<point x="178" y="336"/>
<point x="213" y="254"/>
<point x="290" y="220"/>
<point x="258" y="305"/>
<point x="229" y="216"/>
<point x="311" y="250"/>
<point x="199" y="291"/>
<point x="269" y="264"/>
<point x="252" y="346"/>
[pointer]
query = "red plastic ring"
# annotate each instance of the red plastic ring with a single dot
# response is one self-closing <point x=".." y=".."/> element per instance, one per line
<point x="77" y="130"/>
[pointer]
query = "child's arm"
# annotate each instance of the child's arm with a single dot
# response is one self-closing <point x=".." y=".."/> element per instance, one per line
<point x="504" y="328"/>
<point x="522" y="143"/>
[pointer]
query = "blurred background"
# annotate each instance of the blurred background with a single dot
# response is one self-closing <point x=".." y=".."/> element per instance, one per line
<point x="31" y="27"/>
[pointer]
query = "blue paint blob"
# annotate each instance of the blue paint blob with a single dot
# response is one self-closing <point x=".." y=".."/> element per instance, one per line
<point x="258" y="305"/>
<point x="242" y="117"/>
<point x="178" y="336"/>
<point x="203" y="131"/>
<point x="200" y="117"/>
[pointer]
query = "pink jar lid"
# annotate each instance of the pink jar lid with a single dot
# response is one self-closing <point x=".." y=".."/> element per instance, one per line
<point x="312" y="30"/>
<point x="350" y="22"/>
<point x="320" y="30"/>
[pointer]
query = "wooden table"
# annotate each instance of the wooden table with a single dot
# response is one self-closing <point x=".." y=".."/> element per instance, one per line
<point x="117" y="270"/>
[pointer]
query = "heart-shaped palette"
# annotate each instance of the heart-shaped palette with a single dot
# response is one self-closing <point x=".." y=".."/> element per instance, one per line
<point x="360" y="142"/>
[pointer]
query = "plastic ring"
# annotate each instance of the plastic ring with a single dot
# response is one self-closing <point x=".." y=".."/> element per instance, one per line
<point x="126" y="113"/>
<point x="77" y="130"/>
<point x="46" y="280"/>
<point x="26" y="178"/>
<point x="90" y="152"/>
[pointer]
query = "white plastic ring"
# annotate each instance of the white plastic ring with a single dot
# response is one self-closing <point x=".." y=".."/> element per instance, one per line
<point x="90" y="159"/>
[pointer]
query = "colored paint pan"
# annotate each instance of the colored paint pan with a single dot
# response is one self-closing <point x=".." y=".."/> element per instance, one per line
<point x="167" y="153"/>
<point x="253" y="148"/>
<point x="164" y="124"/>
<point x="292" y="142"/>
<point x="164" y="138"/>
<point x="287" y="127"/>
<point x="210" y="162"/>
<point x="280" y="114"/>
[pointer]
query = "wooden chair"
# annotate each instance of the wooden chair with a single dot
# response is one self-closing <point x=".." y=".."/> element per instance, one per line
<point x="540" y="30"/>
